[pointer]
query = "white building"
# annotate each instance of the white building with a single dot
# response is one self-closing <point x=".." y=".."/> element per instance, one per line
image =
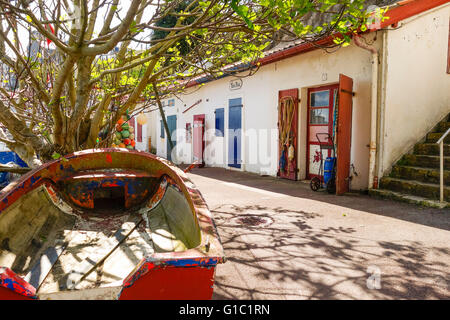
<point x="384" y="108"/>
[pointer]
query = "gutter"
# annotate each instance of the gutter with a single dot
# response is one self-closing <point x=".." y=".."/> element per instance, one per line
<point x="397" y="12"/>
<point x="293" y="51"/>
<point x="373" y="180"/>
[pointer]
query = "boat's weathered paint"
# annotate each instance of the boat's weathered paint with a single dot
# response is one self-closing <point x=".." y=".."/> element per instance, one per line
<point x="152" y="276"/>
<point x="187" y="279"/>
<point x="80" y="187"/>
<point x="187" y="274"/>
<point x="94" y="159"/>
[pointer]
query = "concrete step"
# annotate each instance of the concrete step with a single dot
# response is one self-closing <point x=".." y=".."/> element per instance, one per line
<point x="425" y="161"/>
<point x="443" y="126"/>
<point x="415" y="188"/>
<point x="388" y="194"/>
<point x="435" y="136"/>
<point x="431" y="149"/>
<point x="427" y="175"/>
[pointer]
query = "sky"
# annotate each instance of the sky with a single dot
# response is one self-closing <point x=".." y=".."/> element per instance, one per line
<point x="23" y="32"/>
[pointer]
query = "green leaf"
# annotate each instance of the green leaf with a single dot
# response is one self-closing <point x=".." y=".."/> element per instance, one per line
<point x="133" y="28"/>
<point x="242" y="11"/>
<point x="56" y="155"/>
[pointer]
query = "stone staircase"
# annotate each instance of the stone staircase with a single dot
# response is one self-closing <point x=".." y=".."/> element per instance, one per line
<point x="415" y="177"/>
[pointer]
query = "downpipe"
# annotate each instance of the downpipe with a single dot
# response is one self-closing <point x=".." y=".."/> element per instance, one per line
<point x="373" y="180"/>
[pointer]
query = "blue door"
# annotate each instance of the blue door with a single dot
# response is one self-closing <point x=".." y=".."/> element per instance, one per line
<point x="172" y="124"/>
<point x="234" y="132"/>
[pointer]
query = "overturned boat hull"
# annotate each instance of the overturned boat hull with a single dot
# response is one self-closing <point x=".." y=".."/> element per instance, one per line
<point x="106" y="224"/>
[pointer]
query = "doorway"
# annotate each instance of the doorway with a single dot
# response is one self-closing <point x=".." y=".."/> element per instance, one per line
<point x="199" y="139"/>
<point x="234" y="132"/>
<point x="322" y="102"/>
<point x="172" y="124"/>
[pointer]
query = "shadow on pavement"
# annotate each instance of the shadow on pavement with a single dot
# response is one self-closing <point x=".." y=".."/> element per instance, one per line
<point x="291" y="260"/>
<point x="436" y="218"/>
<point x="291" y="256"/>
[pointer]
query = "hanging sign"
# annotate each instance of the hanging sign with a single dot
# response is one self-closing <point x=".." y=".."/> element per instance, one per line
<point x="235" y="84"/>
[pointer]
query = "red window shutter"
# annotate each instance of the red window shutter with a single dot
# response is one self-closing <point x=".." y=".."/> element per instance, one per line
<point x="290" y="170"/>
<point x="139" y="133"/>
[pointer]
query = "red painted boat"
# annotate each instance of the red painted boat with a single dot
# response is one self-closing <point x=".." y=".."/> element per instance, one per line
<point x="106" y="224"/>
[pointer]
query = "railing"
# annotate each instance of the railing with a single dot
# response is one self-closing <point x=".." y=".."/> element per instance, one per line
<point x="440" y="142"/>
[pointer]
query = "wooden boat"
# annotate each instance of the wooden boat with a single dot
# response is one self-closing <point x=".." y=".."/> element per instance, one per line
<point x="106" y="224"/>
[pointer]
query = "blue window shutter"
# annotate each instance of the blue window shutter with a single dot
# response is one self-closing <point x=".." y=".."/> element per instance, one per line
<point x="235" y="102"/>
<point x="220" y="122"/>
<point x="162" y="129"/>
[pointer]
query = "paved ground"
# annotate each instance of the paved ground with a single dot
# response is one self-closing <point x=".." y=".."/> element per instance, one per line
<point x="321" y="246"/>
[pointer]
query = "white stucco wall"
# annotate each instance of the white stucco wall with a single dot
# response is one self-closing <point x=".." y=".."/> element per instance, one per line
<point x="417" y="88"/>
<point x="143" y="145"/>
<point x="313" y="69"/>
<point x="414" y="91"/>
<point x="259" y="95"/>
<point x="151" y="131"/>
<point x="148" y="130"/>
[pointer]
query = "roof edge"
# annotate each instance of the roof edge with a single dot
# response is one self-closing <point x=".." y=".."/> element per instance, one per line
<point x="399" y="11"/>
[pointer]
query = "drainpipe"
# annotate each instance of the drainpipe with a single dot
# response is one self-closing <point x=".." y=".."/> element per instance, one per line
<point x="382" y="104"/>
<point x="373" y="180"/>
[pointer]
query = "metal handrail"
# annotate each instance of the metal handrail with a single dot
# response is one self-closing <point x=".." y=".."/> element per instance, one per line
<point x="443" y="137"/>
<point x="440" y="142"/>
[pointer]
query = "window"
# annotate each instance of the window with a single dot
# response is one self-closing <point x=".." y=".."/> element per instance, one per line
<point x="220" y="122"/>
<point x="171" y="102"/>
<point x="319" y="103"/>
<point x="162" y="129"/>
<point x="319" y="116"/>
<point x="320" y="98"/>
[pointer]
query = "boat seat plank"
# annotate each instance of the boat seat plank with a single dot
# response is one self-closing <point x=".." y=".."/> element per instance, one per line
<point x="50" y="256"/>
<point x="121" y="262"/>
<point x="102" y="254"/>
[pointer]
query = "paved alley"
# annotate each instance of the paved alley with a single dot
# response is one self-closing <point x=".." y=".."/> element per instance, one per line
<point x="284" y="241"/>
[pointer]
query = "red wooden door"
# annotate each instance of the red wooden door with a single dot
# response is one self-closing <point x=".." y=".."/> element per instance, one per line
<point x="321" y="106"/>
<point x="198" y="138"/>
<point x="344" y="133"/>
<point x="287" y="133"/>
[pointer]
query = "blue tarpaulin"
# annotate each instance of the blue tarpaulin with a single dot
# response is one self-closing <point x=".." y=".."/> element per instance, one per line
<point x="7" y="157"/>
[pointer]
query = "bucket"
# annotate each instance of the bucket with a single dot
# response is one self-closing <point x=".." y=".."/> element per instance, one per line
<point x="328" y="168"/>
